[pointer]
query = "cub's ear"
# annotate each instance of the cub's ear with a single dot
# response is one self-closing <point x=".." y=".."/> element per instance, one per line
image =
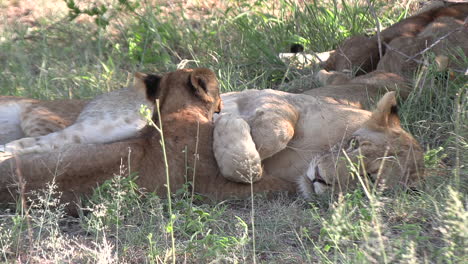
<point x="139" y="83"/>
<point x="386" y="113"/>
<point x="203" y="81"/>
<point x="147" y="85"/>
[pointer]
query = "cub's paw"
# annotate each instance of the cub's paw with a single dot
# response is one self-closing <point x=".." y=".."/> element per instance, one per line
<point x="235" y="151"/>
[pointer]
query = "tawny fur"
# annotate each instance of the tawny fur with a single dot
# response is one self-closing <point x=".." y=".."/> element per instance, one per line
<point x="189" y="98"/>
<point x="405" y="55"/>
<point x="362" y="91"/>
<point x="361" y="54"/>
<point x="240" y="161"/>
<point x="380" y="136"/>
<point x="317" y="125"/>
<point x="96" y="123"/>
<point x="400" y="63"/>
<point x="21" y="117"/>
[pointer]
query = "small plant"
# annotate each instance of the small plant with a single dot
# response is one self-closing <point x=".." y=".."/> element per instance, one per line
<point x="114" y="200"/>
<point x="145" y="112"/>
<point x="433" y="157"/>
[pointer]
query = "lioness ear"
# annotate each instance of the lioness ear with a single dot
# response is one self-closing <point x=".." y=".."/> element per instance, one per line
<point x="147" y="85"/>
<point x="386" y="113"/>
<point x="204" y="83"/>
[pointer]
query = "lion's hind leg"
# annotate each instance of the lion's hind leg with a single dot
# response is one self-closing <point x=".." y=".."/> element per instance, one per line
<point x="37" y="123"/>
<point x="235" y="151"/>
<point x="81" y="132"/>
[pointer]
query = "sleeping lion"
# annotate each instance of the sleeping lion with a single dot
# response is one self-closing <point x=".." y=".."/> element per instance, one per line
<point x="275" y="140"/>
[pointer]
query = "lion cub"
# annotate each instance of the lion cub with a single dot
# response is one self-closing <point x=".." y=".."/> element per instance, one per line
<point x="108" y="117"/>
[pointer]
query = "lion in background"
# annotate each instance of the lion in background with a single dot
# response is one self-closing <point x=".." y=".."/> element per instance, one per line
<point x="402" y="41"/>
<point x="354" y="72"/>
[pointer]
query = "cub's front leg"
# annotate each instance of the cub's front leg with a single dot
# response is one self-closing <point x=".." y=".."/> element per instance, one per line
<point x="235" y="151"/>
<point x="272" y="129"/>
<point x="240" y="145"/>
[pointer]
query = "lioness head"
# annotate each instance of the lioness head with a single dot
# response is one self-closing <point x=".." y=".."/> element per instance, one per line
<point x="380" y="152"/>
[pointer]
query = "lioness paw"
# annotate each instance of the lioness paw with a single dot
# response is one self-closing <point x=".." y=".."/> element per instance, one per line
<point x="235" y="151"/>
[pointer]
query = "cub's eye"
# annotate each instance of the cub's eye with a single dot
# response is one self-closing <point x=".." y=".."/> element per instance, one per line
<point x="353" y="143"/>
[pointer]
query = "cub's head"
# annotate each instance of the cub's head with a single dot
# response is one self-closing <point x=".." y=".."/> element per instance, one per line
<point x="187" y="88"/>
<point x="380" y="152"/>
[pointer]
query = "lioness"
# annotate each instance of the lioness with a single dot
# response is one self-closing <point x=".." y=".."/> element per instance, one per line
<point x="287" y="131"/>
<point x="276" y="134"/>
